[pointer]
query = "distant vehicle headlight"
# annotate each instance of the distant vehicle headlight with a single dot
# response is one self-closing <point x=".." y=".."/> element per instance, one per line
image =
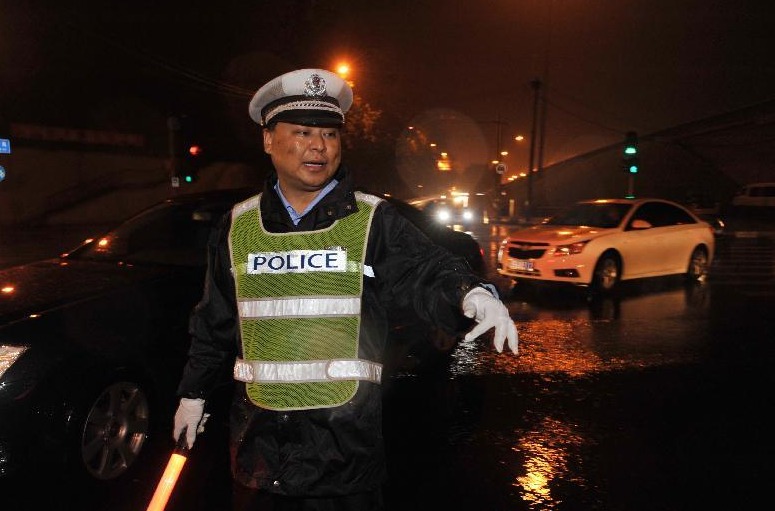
<point x="570" y="249"/>
<point x="444" y="215"/>
<point x="468" y="215"/>
<point x="9" y="355"/>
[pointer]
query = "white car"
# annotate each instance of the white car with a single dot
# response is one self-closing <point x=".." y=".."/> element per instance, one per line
<point x="598" y="243"/>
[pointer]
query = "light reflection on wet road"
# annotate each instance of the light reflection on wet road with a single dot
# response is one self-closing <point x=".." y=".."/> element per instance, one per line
<point x="651" y="401"/>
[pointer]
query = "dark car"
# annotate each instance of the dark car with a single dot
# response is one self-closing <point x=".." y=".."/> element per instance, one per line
<point x="93" y="343"/>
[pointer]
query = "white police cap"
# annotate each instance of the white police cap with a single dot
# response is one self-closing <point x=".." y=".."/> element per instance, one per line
<point x="310" y="97"/>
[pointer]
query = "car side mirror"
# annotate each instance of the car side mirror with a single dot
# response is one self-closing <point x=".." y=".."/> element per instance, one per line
<point x="640" y="224"/>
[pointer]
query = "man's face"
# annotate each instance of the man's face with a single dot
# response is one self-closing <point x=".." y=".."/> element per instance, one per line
<point x="305" y="157"/>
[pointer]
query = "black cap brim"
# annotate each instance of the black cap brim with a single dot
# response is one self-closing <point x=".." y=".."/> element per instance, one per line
<point x="316" y="118"/>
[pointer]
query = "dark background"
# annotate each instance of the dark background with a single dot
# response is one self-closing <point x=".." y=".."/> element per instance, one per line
<point x="607" y="67"/>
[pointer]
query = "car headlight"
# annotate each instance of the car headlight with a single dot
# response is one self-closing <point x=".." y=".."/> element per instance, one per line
<point x="570" y="249"/>
<point x="443" y="215"/>
<point x="9" y="355"/>
<point x="468" y="215"/>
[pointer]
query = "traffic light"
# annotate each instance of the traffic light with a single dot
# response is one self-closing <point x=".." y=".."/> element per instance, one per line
<point x="631" y="159"/>
<point x="192" y="163"/>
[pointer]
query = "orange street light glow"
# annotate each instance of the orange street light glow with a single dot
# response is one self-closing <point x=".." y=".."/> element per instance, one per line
<point x="343" y="70"/>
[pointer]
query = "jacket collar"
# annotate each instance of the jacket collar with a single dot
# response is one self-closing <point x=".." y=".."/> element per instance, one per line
<point x="339" y="203"/>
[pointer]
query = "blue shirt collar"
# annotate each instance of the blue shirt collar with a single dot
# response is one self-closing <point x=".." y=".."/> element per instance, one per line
<point x="295" y="215"/>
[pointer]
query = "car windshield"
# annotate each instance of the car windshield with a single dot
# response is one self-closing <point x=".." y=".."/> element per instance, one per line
<point x="591" y="214"/>
<point x="164" y="234"/>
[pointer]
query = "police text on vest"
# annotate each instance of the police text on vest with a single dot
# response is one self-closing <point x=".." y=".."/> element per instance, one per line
<point x="297" y="261"/>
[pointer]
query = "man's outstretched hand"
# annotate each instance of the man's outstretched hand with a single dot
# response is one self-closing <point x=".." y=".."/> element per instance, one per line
<point x="489" y="312"/>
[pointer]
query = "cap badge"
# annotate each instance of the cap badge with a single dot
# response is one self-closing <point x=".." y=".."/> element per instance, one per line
<point x="315" y="85"/>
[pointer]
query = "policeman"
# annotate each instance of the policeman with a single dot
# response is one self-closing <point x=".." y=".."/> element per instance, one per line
<point x="300" y="281"/>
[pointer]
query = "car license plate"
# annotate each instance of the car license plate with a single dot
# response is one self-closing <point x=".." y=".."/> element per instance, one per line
<point x="520" y="264"/>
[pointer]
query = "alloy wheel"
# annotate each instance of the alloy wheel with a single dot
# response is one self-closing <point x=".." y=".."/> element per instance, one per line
<point x="115" y="430"/>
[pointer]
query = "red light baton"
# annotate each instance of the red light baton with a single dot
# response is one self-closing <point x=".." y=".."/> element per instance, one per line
<point x="170" y="475"/>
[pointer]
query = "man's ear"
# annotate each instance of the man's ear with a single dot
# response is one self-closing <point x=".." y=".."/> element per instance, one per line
<point x="267" y="134"/>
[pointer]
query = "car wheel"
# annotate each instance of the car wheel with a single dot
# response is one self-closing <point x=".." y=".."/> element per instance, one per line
<point x="113" y="430"/>
<point x="607" y="273"/>
<point x="698" y="265"/>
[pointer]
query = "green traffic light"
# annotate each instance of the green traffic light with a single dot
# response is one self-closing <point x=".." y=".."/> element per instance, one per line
<point x="189" y="179"/>
<point x="633" y="169"/>
<point x="631" y="144"/>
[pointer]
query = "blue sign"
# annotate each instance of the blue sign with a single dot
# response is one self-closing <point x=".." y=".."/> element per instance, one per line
<point x="5" y="146"/>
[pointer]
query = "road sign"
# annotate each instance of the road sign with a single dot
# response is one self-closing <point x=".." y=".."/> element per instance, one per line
<point x="5" y="146"/>
<point x="500" y="168"/>
<point x="175" y="181"/>
<point x="2" y="172"/>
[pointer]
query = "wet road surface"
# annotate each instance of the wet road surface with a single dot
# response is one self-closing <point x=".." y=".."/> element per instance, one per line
<point x="657" y="403"/>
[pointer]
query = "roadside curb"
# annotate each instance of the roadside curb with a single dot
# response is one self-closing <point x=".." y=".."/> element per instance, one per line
<point x="751" y="234"/>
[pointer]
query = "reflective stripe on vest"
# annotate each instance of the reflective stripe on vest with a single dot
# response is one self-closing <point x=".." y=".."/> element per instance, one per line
<point x="299" y="301"/>
<point x="251" y="371"/>
<point x="297" y="306"/>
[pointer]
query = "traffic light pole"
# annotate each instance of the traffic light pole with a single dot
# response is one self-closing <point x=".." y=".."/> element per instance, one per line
<point x="173" y="128"/>
<point x="631" y="160"/>
<point x="631" y="186"/>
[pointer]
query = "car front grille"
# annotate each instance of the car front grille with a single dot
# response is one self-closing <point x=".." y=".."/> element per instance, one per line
<point x="525" y="250"/>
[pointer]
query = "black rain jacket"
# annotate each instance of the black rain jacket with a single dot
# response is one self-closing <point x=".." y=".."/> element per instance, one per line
<point x="327" y="451"/>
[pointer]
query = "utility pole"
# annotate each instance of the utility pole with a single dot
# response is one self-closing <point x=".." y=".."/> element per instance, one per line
<point x="541" y="130"/>
<point x="497" y="174"/>
<point x="528" y="206"/>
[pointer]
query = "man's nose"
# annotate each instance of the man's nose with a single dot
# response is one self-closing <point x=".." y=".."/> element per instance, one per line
<point x="317" y="142"/>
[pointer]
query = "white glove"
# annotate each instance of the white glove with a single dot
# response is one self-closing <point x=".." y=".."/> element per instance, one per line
<point x="191" y="416"/>
<point x="490" y="312"/>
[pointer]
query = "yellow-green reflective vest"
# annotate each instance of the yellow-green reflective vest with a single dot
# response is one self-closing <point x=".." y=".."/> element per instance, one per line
<point x="299" y="304"/>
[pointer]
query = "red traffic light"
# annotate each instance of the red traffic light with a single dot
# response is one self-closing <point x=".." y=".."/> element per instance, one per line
<point x="195" y="150"/>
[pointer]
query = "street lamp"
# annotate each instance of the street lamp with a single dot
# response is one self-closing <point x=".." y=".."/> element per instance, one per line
<point x="343" y="69"/>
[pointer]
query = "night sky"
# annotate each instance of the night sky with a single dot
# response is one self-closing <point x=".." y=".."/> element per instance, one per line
<point x="607" y="66"/>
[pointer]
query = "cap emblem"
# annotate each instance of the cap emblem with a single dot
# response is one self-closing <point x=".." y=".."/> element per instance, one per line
<point x="315" y="86"/>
